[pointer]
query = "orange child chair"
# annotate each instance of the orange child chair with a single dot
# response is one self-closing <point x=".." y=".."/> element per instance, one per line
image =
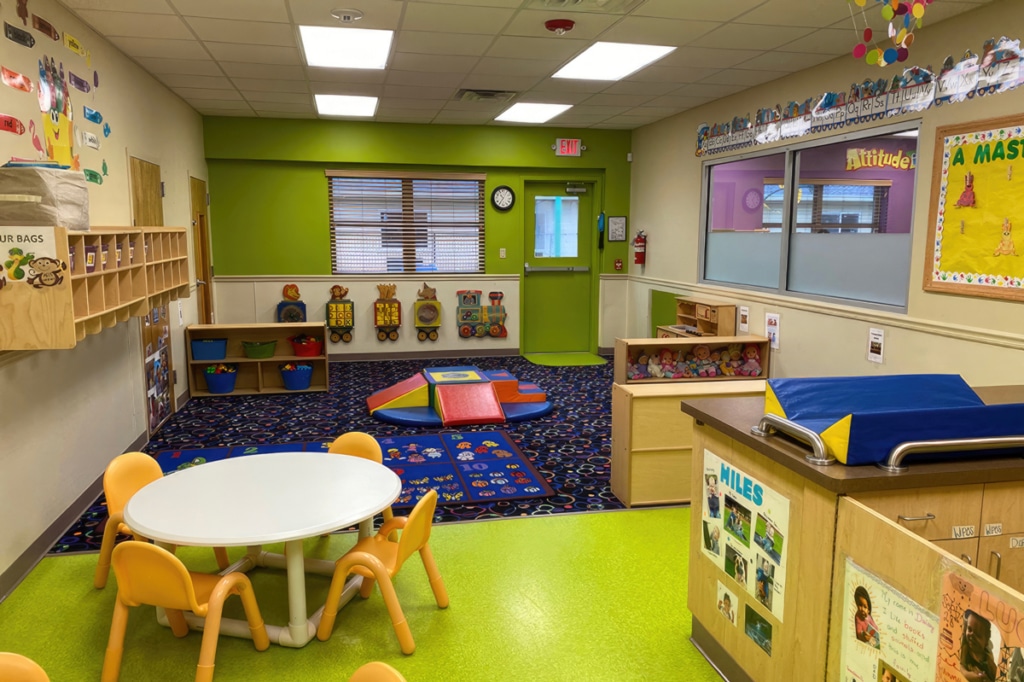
<point x="378" y="559"/>
<point x="376" y="671"/>
<point x="147" y="574"/>
<point x="17" y="668"/>
<point x="126" y="475"/>
<point x="359" y="444"/>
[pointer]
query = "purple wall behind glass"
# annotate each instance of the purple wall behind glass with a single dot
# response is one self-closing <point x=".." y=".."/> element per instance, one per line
<point x="731" y="181"/>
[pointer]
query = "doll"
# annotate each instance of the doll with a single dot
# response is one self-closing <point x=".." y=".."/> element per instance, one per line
<point x="732" y="358"/>
<point x="641" y="367"/>
<point x="632" y="369"/>
<point x="654" y="367"/>
<point x="703" y="363"/>
<point x="667" y="360"/>
<point x="751" y="366"/>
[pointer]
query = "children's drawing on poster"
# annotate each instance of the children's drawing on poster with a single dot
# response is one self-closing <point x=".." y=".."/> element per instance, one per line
<point x="745" y="526"/>
<point x="727" y="603"/>
<point x="976" y="201"/>
<point x="980" y="635"/>
<point x="886" y="636"/>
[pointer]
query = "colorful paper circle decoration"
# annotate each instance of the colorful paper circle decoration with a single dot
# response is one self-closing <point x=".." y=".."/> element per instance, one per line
<point x="903" y="17"/>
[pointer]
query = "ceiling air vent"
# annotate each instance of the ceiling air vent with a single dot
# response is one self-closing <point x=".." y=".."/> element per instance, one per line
<point x="465" y="95"/>
<point x="607" y="6"/>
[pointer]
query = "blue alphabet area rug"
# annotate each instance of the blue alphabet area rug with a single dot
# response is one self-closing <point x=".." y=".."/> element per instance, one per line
<point x="468" y="467"/>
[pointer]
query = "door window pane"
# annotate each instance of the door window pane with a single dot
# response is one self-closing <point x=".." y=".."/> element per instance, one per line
<point x="556" y="231"/>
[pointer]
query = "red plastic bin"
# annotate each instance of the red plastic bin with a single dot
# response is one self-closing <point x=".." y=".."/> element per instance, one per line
<point x="312" y="347"/>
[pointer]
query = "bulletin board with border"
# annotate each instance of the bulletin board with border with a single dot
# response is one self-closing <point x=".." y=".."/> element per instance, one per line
<point x="977" y="199"/>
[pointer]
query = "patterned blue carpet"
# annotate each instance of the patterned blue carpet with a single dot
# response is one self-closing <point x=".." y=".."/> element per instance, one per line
<point x="571" y="447"/>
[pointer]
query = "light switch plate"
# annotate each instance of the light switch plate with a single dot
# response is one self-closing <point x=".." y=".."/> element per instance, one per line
<point x="501" y="252"/>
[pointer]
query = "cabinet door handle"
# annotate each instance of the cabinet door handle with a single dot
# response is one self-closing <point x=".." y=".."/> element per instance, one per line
<point x="967" y="558"/>
<point x="926" y="517"/>
<point x="999" y="564"/>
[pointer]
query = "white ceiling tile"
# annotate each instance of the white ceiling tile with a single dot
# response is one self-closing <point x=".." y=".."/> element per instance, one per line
<point x="482" y="3"/>
<point x="463" y="118"/>
<point x="594" y="110"/>
<point x="263" y="97"/>
<point x="168" y="49"/>
<point x="751" y="36"/>
<point x="252" y="10"/>
<point x="707" y="89"/>
<point x="270" y="85"/>
<point x="603" y="99"/>
<point x="211" y="111"/>
<point x="281" y="107"/>
<point x="362" y="89"/>
<point x="257" y="54"/>
<point x="514" y="67"/>
<point x="388" y="103"/>
<point x="398" y="116"/>
<point x="797" y="13"/>
<point x="587" y="26"/>
<point x="830" y="41"/>
<point x="434" y="80"/>
<point x="571" y="119"/>
<point x="564" y="85"/>
<point x="747" y="78"/>
<point x="176" y="80"/>
<point x="696" y="9"/>
<point x="223" y="104"/>
<point x="137" y="24"/>
<point x="639" y="88"/>
<point x="144" y="6"/>
<point x="552" y="97"/>
<point x="442" y="43"/>
<point x="405" y="61"/>
<point x="785" y="61"/>
<point x="250" y="32"/>
<point x="378" y="14"/>
<point x="625" y="122"/>
<point x="418" y="92"/>
<point x="287" y="114"/>
<point x="672" y="74"/>
<point x="482" y="81"/>
<point x="575" y="6"/>
<point x="554" y="48"/>
<point x="657" y="112"/>
<point x="454" y="18"/>
<point x="678" y="102"/>
<point x="223" y="94"/>
<point x="651" y="31"/>
<point x="185" y="67"/>
<point x="491" y="109"/>
<point x="707" y="57"/>
<point x="335" y="76"/>
<point x="275" y="71"/>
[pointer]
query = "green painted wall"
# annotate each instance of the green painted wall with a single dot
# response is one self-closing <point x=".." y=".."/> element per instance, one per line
<point x="268" y="191"/>
<point x="663" y="310"/>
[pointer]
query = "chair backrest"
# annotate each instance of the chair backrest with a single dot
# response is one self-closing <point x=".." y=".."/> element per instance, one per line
<point x="417" y="529"/>
<point x="17" y="668"/>
<point x="376" y="671"/>
<point x="126" y="475"/>
<point x="147" y="574"/>
<point x="357" y="444"/>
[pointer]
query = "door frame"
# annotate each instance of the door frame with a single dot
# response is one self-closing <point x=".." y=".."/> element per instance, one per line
<point x="203" y="268"/>
<point x="595" y="183"/>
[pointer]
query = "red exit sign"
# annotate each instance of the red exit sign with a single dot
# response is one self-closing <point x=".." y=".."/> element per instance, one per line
<point x="566" y="146"/>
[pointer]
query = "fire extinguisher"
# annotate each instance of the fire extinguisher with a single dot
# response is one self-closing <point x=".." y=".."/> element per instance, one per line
<point x="640" y="248"/>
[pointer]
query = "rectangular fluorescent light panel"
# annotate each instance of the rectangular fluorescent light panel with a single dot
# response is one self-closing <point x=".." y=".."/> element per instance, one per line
<point x="345" y="48"/>
<point x="532" y="113"/>
<point x="345" y="105"/>
<point x="612" y="61"/>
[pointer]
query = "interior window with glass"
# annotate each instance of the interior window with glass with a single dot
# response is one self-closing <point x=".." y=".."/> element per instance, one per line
<point x="398" y="222"/>
<point x="843" y="219"/>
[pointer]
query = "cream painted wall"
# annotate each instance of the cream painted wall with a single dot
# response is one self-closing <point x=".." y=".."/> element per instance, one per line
<point x="982" y="339"/>
<point x="65" y="414"/>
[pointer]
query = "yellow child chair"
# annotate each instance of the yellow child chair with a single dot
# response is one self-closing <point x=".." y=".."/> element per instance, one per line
<point x="147" y="574"/>
<point x="376" y="671"/>
<point x="17" y="668"/>
<point x="359" y="444"/>
<point x="126" y="475"/>
<point x="378" y="559"/>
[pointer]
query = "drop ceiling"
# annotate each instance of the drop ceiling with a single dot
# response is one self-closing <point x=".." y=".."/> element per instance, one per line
<point x="243" y="57"/>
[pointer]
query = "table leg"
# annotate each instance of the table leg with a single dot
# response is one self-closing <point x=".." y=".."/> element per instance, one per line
<point x="366" y="528"/>
<point x="299" y="630"/>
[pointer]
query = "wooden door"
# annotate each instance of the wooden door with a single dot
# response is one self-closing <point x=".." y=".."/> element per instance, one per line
<point x="157" y="359"/>
<point x="201" y="250"/>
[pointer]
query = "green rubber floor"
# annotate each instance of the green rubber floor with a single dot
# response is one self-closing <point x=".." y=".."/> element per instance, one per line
<point x="594" y="597"/>
<point x="565" y="359"/>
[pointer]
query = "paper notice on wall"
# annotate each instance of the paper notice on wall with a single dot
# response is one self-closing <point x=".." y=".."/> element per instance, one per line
<point x="28" y="255"/>
<point x="744" y="319"/>
<point x="876" y="345"/>
<point x="771" y="328"/>
<point x="745" y="527"/>
<point x="980" y="635"/>
<point x="885" y="635"/>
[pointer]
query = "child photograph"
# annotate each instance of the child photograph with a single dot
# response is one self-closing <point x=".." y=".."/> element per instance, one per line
<point x="758" y="629"/>
<point x="768" y="538"/>
<point x="736" y="565"/>
<point x="714" y="503"/>
<point x="764" y="581"/>
<point x="727" y="603"/>
<point x="863" y="624"/>
<point x="712" y="536"/>
<point x="737" y="520"/>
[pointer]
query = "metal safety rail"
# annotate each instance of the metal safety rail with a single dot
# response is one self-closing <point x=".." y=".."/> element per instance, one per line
<point x="770" y="423"/>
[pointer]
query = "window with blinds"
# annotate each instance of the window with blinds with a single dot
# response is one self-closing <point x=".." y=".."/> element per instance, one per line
<point x="396" y="222"/>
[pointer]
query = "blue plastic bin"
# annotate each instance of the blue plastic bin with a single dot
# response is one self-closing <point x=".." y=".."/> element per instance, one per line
<point x="221" y="383"/>
<point x="297" y="379"/>
<point x="209" y="349"/>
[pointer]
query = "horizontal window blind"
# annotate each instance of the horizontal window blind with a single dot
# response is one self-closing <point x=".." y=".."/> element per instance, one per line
<point x="406" y="223"/>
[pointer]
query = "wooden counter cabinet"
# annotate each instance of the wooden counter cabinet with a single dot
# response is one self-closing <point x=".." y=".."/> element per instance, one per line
<point x="700" y="318"/>
<point x="257" y="375"/>
<point x="689" y="359"/>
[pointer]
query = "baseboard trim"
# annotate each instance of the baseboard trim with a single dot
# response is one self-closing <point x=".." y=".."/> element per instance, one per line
<point x="716" y="655"/>
<point x="416" y="355"/>
<point x="28" y="560"/>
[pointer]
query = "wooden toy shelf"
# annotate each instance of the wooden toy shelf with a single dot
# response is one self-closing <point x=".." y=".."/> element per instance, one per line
<point x="111" y="274"/>
<point x="257" y="375"/>
<point x="629" y="351"/>
<point x="700" y="318"/>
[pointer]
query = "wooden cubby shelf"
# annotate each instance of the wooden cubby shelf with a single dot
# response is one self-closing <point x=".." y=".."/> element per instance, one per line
<point x="256" y="375"/>
<point x="109" y="278"/>
<point x="664" y="360"/>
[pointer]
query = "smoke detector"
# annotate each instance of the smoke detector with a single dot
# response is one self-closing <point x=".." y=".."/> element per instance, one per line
<point x="559" y="26"/>
<point x="347" y="16"/>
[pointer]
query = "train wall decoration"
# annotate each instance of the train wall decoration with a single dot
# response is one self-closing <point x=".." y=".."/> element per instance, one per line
<point x="476" y="320"/>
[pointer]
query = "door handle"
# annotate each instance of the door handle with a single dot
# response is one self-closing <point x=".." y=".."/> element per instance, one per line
<point x="199" y="281"/>
<point x="927" y="517"/>
<point x="967" y="558"/>
<point x="566" y="268"/>
<point x="999" y="564"/>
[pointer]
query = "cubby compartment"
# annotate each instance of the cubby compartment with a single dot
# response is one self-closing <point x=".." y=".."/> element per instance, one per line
<point x="715" y="358"/>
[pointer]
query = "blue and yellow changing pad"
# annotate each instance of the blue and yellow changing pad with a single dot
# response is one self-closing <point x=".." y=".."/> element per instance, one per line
<point x="861" y="419"/>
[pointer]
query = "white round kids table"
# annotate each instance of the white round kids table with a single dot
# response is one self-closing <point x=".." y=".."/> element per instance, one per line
<point x="258" y="499"/>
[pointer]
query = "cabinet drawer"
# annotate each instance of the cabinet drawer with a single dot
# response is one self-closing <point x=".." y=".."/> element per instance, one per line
<point x="952" y="512"/>
<point x="659" y="477"/>
<point x="664" y="334"/>
<point x="1002" y="557"/>
<point x="1004" y="507"/>
<point x="658" y="423"/>
<point x="706" y="313"/>
<point x="964" y="550"/>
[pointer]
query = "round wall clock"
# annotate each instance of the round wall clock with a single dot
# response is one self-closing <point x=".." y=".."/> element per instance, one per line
<point x="503" y="197"/>
<point x="753" y="199"/>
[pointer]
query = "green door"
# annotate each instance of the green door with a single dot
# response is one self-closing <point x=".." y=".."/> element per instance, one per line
<point x="557" y="276"/>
